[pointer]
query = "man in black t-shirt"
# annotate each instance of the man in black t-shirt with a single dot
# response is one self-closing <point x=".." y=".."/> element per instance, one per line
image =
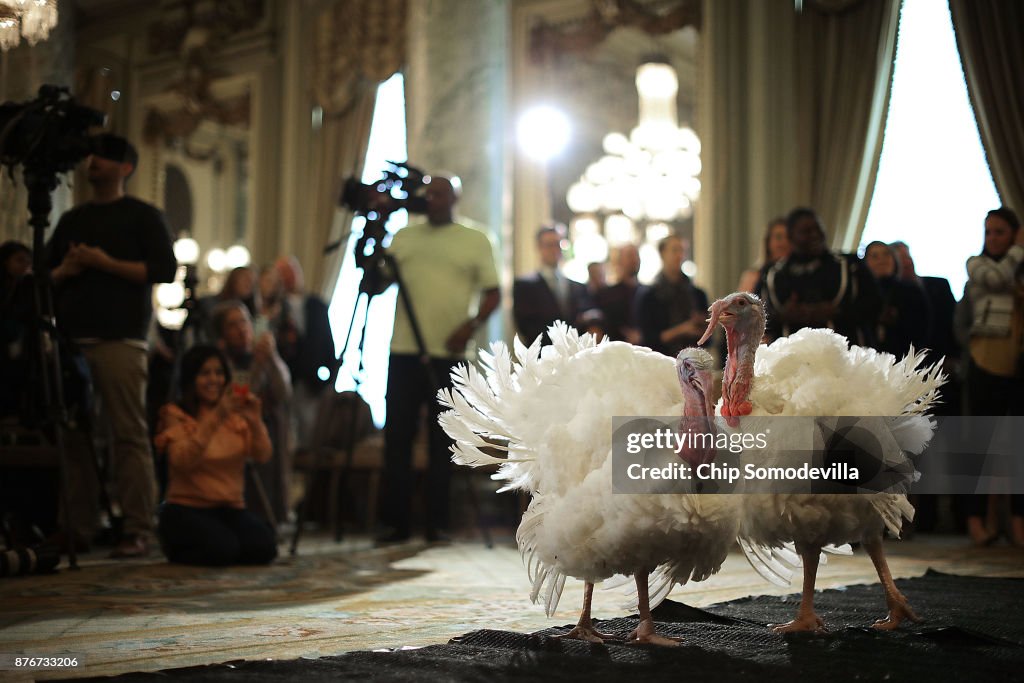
<point x="106" y="255"/>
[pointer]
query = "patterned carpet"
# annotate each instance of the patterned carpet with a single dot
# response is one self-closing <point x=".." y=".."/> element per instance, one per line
<point x="147" y="615"/>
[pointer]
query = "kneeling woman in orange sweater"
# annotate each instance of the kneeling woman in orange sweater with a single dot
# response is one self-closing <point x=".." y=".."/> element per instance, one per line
<point x="208" y="436"/>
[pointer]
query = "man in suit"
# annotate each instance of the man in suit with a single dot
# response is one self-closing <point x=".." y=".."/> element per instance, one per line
<point x="545" y="296"/>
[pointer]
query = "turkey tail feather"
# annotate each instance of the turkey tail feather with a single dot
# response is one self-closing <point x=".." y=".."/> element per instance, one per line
<point x="770" y="569"/>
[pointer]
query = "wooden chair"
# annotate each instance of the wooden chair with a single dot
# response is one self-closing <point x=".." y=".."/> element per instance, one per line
<point x="342" y="428"/>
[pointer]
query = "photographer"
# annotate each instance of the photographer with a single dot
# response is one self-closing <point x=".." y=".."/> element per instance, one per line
<point x="208" y="436"/>
<point x="444" y="267"/>
<point x="106" y="255"/>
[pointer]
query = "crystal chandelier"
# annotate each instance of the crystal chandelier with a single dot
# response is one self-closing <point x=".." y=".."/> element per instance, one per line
<point x="652" y="174"/>
<point x="28" y="19"/>
<point x="642" y="185"/>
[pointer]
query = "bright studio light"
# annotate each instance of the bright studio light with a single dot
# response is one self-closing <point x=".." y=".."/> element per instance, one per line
<point x="217" y="259"/>
<point x="186" y="251"/>
<point x="543" y="132"/>
<point x="237" y="256"/>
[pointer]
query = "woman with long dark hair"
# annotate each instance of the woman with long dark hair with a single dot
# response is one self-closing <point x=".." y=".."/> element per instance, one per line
<point x="208" y="436"/>
<point x="774" y="247"/>
<point x="992" y="311"/>
<point x="904" y="319"/>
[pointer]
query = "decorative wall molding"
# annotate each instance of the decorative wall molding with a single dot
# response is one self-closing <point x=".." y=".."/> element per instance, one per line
<point x="197" y="30"/>
<point x="550" y="40"/>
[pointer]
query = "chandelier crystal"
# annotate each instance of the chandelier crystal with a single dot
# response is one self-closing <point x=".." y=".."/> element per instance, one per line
<point x="29" y="19"/>
<point x="651" y="175"/>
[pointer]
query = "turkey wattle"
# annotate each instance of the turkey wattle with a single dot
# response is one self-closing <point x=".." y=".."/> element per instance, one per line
<point x="815" y="372"/>
<point x="551" y="411"/>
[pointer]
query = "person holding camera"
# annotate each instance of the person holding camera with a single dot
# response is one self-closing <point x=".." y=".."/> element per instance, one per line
<point x="447" y="270"/>
<point x="254" y="362"/>
<point x="105" y="255"/>
<point x="208" y="436"/>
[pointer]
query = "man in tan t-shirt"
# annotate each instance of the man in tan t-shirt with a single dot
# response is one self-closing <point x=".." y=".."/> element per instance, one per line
<point x="448" y="272"/>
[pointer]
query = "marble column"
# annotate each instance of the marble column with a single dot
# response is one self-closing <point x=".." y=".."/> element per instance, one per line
<point x="457" y="103"/>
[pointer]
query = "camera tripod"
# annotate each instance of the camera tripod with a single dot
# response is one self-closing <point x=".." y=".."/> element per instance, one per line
<point x="380" y="269"/>
<point x="40" y="186"/>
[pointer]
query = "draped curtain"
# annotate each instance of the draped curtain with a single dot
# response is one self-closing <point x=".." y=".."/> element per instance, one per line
<point x="357" y="45"/>
<point x="990" y="37"/>
<point x="791" y="112"/>
<point x="845" y="62"/>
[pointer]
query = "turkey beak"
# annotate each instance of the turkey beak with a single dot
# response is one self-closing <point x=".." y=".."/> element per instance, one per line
<point x="716" y="312"/>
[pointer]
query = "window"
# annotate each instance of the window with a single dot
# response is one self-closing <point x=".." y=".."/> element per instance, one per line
<point x="387" y="141"/>
<point x="934" y="186"/>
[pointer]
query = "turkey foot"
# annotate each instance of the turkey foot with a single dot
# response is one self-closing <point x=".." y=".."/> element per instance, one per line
<point x="584" y="629"/>
<point x="645" y="634"/>
<point x="899" y="609"/>
<point x="588" y="633"/>
<point x="806" y="618"/>
<point x="804" y="622"/>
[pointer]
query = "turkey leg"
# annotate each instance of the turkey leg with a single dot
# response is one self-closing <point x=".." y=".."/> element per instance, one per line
<point x="584" y="629"/>
<point x="899" y="608"/>
<point x="806" y="618"/>
<point x="645" y="633"/>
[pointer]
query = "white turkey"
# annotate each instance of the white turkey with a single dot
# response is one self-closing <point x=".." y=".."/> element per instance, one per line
<point x="814" y="372"/>
<point x="551" y="410"/>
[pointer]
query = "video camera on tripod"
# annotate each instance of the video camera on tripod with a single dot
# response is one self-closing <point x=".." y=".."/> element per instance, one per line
<point x="47" y="135"/>
<point x="402" y="187"/>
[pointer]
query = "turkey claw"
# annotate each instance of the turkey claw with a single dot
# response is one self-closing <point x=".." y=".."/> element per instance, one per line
<point x="897" y="613"/>
<point x="587" y="634"/>
<point x="802" y="624"/>
<point x="663" y="641"/>
<point x="645" y="634"/>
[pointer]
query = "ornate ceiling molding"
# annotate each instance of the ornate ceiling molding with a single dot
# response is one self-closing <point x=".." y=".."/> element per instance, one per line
<point x="197" y="30"/>
<point x="549" y="41"/>
<point x="221" y="19"/>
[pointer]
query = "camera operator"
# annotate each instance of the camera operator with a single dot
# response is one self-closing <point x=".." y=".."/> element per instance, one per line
<point x="444" y="266"/>
<point x="106" y="255"/>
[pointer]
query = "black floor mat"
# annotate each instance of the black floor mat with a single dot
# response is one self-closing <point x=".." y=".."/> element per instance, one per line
<point x="974" y="630"/>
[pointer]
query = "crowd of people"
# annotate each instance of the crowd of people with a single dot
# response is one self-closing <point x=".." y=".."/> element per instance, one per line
<point x="195" y="416"/>
<point x="189" y="417"/>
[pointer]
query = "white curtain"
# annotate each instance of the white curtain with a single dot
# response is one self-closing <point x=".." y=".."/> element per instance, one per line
<point x="357" y="45"/>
